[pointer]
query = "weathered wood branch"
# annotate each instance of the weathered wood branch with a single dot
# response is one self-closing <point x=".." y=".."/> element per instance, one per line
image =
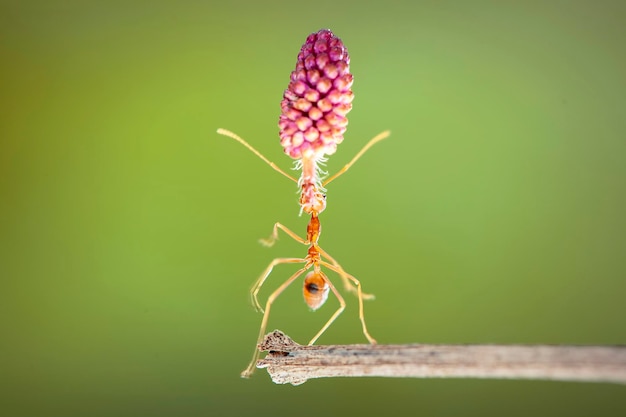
<point x="290" y="363"/>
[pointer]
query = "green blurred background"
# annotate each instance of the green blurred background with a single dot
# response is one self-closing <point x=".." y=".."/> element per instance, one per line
<point x="494" y="213"/>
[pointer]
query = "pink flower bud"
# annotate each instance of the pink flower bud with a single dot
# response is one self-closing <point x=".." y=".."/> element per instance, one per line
<point x="318" y="98"/>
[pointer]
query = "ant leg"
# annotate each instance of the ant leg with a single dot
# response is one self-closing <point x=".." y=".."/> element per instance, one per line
<point x="341" y="272"/>
<point x="254" y="291"/>
<point x="342" y="306"/>
<point x="348" y="284"/>
<point x="369" y="144"/>
<point x="274" y="236"/>
<point x="231" y="135"/>
<point x="250" y="369"/>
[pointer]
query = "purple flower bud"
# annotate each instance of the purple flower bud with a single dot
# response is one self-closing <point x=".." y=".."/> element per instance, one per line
<point x="318" y="98"/>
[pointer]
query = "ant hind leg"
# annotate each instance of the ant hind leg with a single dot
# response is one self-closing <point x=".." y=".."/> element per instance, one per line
<point x="348" y="284"/>
<point x="254" y="291"/>
<point x="342" y="306"/>
<point x="252" y="366"/>
<point x="357" y="283"/>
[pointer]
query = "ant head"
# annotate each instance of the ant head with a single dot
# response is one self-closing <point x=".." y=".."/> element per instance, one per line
<point x="313" y="203"/>
<point x="315" y="289"/>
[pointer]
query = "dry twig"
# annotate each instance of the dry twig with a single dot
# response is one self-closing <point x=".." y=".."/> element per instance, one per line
<point x="289" y="362"/>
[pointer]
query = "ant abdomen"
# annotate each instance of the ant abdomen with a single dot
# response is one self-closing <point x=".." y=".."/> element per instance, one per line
<point x="315" y="289"/>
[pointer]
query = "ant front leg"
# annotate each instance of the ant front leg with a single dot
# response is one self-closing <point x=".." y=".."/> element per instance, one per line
<point x="368" y="145"/>
<point x="274" y="236"/>
<point x="275" y="167"/>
